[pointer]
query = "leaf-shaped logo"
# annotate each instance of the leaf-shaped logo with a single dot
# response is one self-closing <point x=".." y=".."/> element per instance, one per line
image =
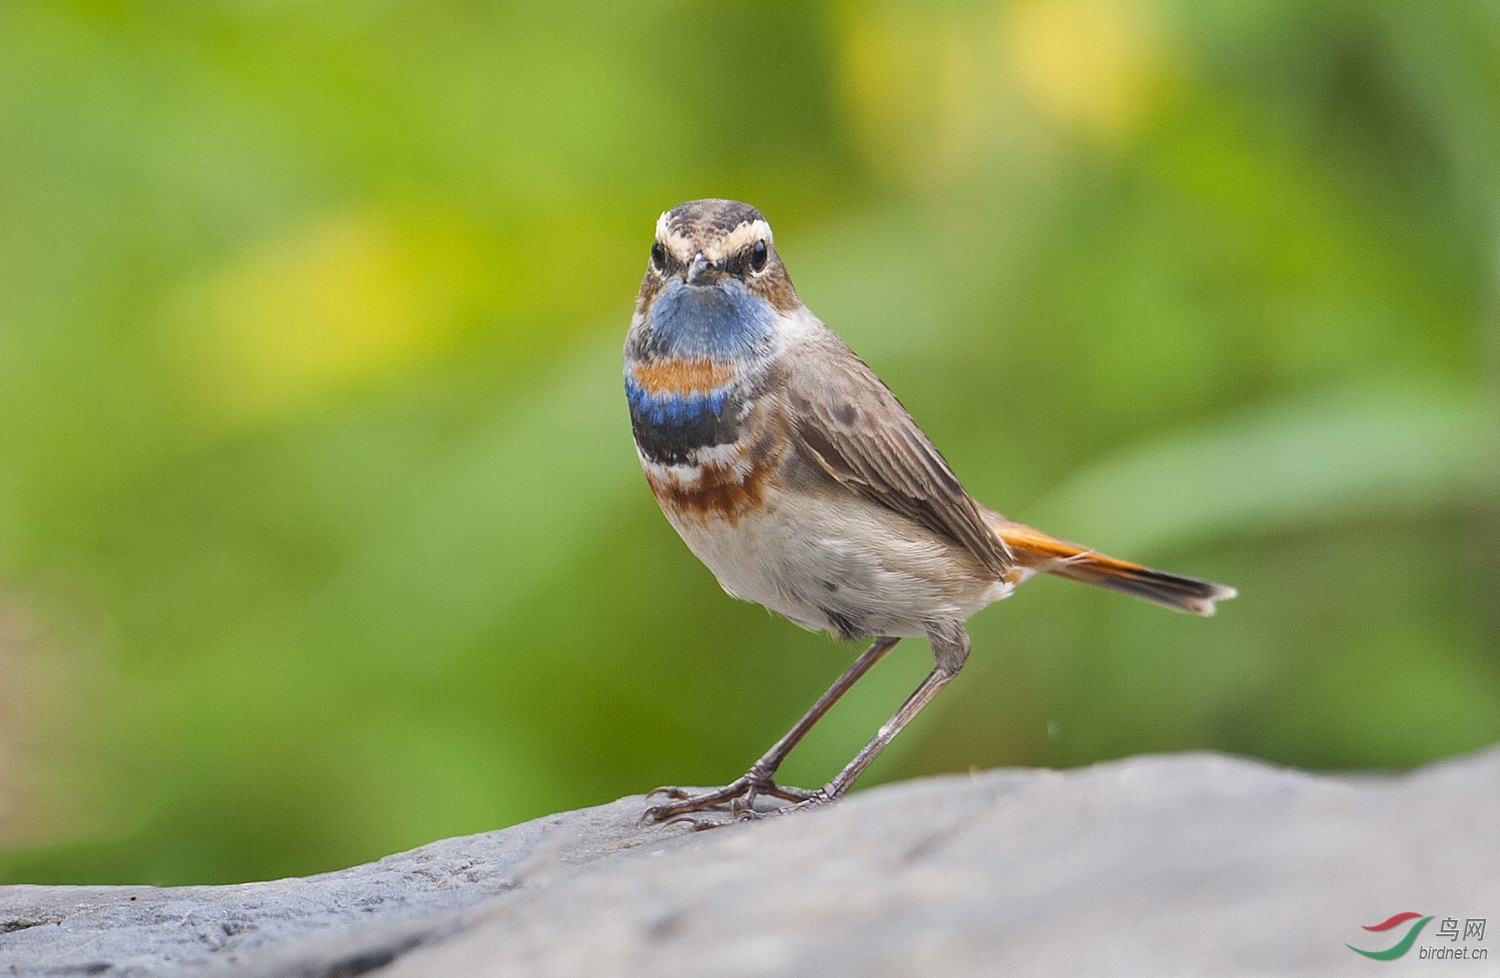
<point x="1400" y="947"/>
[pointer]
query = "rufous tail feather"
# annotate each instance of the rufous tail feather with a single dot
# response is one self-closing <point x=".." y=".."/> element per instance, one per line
<point x="1036" y="551"/>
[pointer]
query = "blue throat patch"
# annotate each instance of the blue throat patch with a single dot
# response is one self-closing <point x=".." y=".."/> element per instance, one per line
<point x="722" y="321"/>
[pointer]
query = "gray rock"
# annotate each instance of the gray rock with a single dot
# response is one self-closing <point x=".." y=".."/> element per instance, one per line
<point x="1191" y="864"/>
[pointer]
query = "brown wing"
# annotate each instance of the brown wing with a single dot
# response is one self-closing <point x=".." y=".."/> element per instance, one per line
<point x="850" y="423"/>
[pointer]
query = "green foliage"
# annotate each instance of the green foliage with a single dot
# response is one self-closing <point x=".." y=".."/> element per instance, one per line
<point x="321" y="534"/>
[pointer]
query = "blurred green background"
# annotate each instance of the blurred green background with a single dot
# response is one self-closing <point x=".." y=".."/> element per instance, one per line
<point x="321" y="532"/>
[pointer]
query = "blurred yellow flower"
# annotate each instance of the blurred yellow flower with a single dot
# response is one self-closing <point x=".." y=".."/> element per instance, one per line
<point x="931" y="90"/>
<point x="920" y="87"/>
<point x="1093" y="67"/>
<point x="346" y="300"/>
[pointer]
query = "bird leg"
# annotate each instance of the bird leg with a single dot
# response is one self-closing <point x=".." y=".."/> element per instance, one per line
<point x="950" y="649"/>
<point x="760" y="779"/>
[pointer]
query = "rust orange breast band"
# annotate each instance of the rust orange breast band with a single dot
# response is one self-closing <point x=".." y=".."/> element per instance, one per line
<point x="676" y="376"/>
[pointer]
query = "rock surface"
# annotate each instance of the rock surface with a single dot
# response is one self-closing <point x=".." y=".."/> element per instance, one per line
<point x="1192" y="864"/>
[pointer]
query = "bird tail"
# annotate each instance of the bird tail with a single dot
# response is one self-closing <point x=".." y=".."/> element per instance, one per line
<point x="1037" y="552"/>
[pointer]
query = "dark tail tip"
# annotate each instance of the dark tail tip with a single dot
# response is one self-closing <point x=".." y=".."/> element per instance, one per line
<point x="1175" y="591"/>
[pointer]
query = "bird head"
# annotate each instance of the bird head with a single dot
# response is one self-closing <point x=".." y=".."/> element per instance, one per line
<point x="715" y="285"/>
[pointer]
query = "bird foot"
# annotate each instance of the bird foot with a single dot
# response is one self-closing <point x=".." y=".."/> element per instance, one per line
<point x="739" y="796"/>
<point x="737" y="812"/>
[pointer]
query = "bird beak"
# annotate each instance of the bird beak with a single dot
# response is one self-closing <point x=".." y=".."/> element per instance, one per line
<point x="700" y="269"/>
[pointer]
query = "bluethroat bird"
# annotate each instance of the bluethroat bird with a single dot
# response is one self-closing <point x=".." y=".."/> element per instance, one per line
<point x="798" y="478"/>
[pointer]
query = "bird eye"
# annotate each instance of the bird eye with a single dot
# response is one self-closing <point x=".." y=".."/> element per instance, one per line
<point x="758" y="256"/>
<point x="658" y="257"/>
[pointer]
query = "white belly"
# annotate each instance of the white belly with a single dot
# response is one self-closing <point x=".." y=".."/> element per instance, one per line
<point x="836" y="561"/>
